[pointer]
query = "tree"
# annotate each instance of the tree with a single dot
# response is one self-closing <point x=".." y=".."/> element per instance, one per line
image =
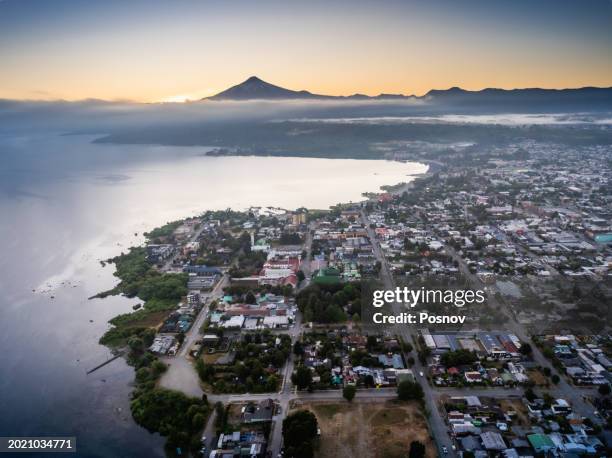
<point x="302" y="377"/>
<point x="604" y="390"/>
<point x="299" y="430"/>
<point x="417" y="450"/>
<point x="221" y="416"/>
<point x="198" y="421"/>
<point x="142" y="375"/>
<point x="287" y="290"/>
<point x="555" y="379"/>
<point x="158" y="367"/>
<point x="250" y="298"/>
<point x="136" y="344"/>
<point x="408" y="390"/>
<point x="525" y="349"/>
<point x="205" y="371"/>
<point x="180" y="337"/>
<point x="300" y="276"/>
<point x="530" y="395"/>
<point x="298" y="348"/>
<point x="348" y="392"/>
<point x="547" y="371"/>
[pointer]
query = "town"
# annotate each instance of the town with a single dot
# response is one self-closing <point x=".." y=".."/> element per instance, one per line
<point x="264" y="316"/>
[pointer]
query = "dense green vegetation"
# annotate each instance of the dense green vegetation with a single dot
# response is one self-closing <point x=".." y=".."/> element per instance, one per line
<point x="329" y="303"/>
<point x="299" y="432"/>
<point x="158" y="234"/>
<point x="172" y="414"/>
<point x="139" y="278"/>
<point x="248" y="263"/>
<point x="458" y="358"/>
<point x="290" y="238"/>
<point x="258" y="357"/>
<point x="239" y="292"/>
<point x="408" y="390"/>
<point x="302" y="377"/>
<point x="160" y="293"/>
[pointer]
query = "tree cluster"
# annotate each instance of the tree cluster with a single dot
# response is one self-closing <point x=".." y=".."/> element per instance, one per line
<point x="258" y="358"/>
<point x="408" y="391"/>
<point x="299" y="432"/>
<point x="458" y="358"/>
<point x="171" y="414"/>
<point x="329" y="303"/>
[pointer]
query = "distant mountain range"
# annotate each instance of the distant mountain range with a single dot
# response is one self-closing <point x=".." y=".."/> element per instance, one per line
<point x="257" y="89"/>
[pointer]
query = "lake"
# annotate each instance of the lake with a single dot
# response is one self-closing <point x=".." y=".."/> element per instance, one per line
<point x="66" y="204"/>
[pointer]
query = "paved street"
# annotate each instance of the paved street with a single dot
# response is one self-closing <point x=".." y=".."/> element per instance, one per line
<point x="181" y="374"/>
<point x="194" y="332"/>
<point x="437" y="426"/>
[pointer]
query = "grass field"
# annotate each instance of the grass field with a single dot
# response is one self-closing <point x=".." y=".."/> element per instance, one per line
<point x="369" y="429"/>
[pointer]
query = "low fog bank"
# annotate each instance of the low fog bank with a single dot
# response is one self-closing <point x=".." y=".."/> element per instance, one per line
<point x="103" y="117"/>
<point x="35" y="135"/>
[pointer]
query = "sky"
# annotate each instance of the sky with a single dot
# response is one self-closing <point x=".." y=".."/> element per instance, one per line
<point x="155" y="50"/>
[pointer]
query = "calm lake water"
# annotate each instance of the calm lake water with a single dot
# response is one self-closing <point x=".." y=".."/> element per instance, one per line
<point x="66" y="204"/>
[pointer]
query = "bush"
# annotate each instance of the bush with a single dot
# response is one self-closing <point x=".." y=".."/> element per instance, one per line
<point x="417" y="450"/>
<point x="348" y="392"/>
<point x="408" y="390"/>
<point x="525" y="349"/>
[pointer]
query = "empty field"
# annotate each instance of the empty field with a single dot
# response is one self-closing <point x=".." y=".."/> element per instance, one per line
<point x="368" y="429"/>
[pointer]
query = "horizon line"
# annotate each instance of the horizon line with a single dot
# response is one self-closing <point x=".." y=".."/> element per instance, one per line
<point x="338" y="97"/>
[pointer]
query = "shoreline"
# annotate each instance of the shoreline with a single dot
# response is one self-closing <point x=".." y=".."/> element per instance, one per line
<point x="137" y="324"/>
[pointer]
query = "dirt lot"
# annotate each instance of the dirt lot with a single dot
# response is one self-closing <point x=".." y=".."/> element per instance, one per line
<point x="360" y="429"/>
<point x="538" y="378"/>
<point x="518" y="407"/>
<point x="234" y="413"/>
<point x="151" y="320"/>
<point x="212" y="358"/>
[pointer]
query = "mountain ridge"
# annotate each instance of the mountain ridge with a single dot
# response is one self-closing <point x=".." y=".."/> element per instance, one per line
<point x="254" y="88"/>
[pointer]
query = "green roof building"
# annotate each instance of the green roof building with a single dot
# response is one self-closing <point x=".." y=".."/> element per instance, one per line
<point x="541" y="443"/>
